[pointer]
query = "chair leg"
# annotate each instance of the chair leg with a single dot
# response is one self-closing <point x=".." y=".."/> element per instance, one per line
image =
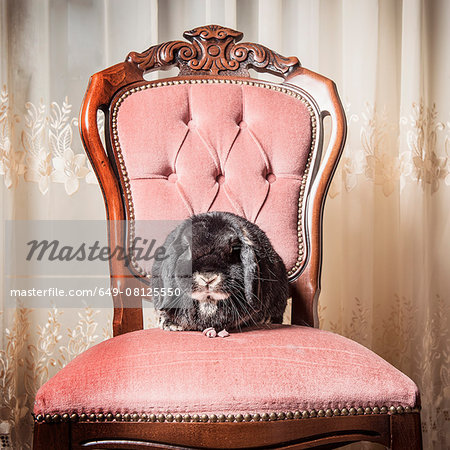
<point x="55" y="436"/>
<point x="406" y="432"/>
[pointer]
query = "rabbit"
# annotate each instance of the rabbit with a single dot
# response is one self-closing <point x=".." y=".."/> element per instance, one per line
<point x="228" y="276"/>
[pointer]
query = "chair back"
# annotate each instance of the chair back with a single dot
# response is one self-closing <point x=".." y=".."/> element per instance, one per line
<point x="214" y="139"/>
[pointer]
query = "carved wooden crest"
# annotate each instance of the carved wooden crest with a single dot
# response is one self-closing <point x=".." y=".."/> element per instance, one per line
<point x="213" y="50"/>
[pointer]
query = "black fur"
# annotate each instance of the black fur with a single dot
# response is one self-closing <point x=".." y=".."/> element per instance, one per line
<point x="240" y="255"/>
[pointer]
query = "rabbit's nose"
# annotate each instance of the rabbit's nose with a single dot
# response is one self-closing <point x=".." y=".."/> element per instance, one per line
<point x="209" y="279"/>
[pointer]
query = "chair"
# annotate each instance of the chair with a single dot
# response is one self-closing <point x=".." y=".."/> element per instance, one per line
<point x="213" y="138"/>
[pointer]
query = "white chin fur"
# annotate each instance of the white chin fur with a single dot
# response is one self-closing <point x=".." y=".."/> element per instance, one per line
<point x="207" y="308"/>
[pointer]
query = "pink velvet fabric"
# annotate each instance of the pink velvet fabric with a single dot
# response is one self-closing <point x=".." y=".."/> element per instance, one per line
<point x="193" y="148"/>
<point x="284" y="368"/>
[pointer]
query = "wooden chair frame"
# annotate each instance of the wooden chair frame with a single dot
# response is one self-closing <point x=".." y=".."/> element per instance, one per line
<point x="213" y="53"/>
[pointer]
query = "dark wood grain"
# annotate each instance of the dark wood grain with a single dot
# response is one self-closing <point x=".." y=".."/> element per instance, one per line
<point x="406" y="432"/>
<point x="285" y="433"/>
<point x="213" y="50"/>
<point x="323" y="432"/>
<point x="306" y="288"/>
<point x="55" y="436"/>
<point x="102" y="87"/>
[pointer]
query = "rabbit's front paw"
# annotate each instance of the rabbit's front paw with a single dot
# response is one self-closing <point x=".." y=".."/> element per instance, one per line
<point x="167" y="325"/>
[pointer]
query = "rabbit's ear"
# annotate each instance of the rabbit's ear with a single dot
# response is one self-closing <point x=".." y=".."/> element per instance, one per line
<point x="175" y="267"/>
<point x="178" y="248"/>
<point x="249" y="265"/>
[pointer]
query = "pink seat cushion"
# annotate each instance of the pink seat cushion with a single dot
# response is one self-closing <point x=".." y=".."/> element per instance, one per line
<point x="281" y="369"/>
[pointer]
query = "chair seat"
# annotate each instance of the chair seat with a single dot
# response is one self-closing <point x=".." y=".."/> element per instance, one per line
<point x="277" y="369"/>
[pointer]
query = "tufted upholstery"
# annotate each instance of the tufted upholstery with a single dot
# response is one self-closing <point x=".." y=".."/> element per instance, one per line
<point x="287" y="368"/>
<point x="195" y="147"/>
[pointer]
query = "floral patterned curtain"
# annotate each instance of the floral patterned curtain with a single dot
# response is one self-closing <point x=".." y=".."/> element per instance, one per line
<point x="385" y="276"/>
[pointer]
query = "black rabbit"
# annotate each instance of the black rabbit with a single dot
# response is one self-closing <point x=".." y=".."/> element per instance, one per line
<point x="226" y="273"/>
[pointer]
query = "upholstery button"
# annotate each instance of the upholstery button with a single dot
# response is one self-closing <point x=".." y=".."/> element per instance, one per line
<point x="220" y="179"/>
<point x="172" y="177"/>
<point x="270" y="177"/>
<point x="242" y="125"/>
<point x="191" y="124"/>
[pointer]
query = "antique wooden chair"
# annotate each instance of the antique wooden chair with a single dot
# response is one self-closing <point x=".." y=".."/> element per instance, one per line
<point x="213" y="138"/>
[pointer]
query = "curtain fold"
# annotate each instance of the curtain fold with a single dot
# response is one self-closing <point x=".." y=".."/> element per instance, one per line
<point x="386" y="263"/>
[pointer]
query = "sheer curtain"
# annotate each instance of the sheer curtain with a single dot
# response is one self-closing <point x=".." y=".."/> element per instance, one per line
<point x="386" y="262"/>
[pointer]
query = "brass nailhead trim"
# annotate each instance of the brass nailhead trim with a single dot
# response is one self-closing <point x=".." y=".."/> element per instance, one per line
<point x="126" y="179"/>
<point x="246" y="417"/>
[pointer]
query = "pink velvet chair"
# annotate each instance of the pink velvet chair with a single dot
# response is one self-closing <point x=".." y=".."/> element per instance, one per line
<point x="213" y="138"/>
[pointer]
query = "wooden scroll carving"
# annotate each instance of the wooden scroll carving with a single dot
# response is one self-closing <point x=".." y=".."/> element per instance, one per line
<point x="213" y="50"/>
